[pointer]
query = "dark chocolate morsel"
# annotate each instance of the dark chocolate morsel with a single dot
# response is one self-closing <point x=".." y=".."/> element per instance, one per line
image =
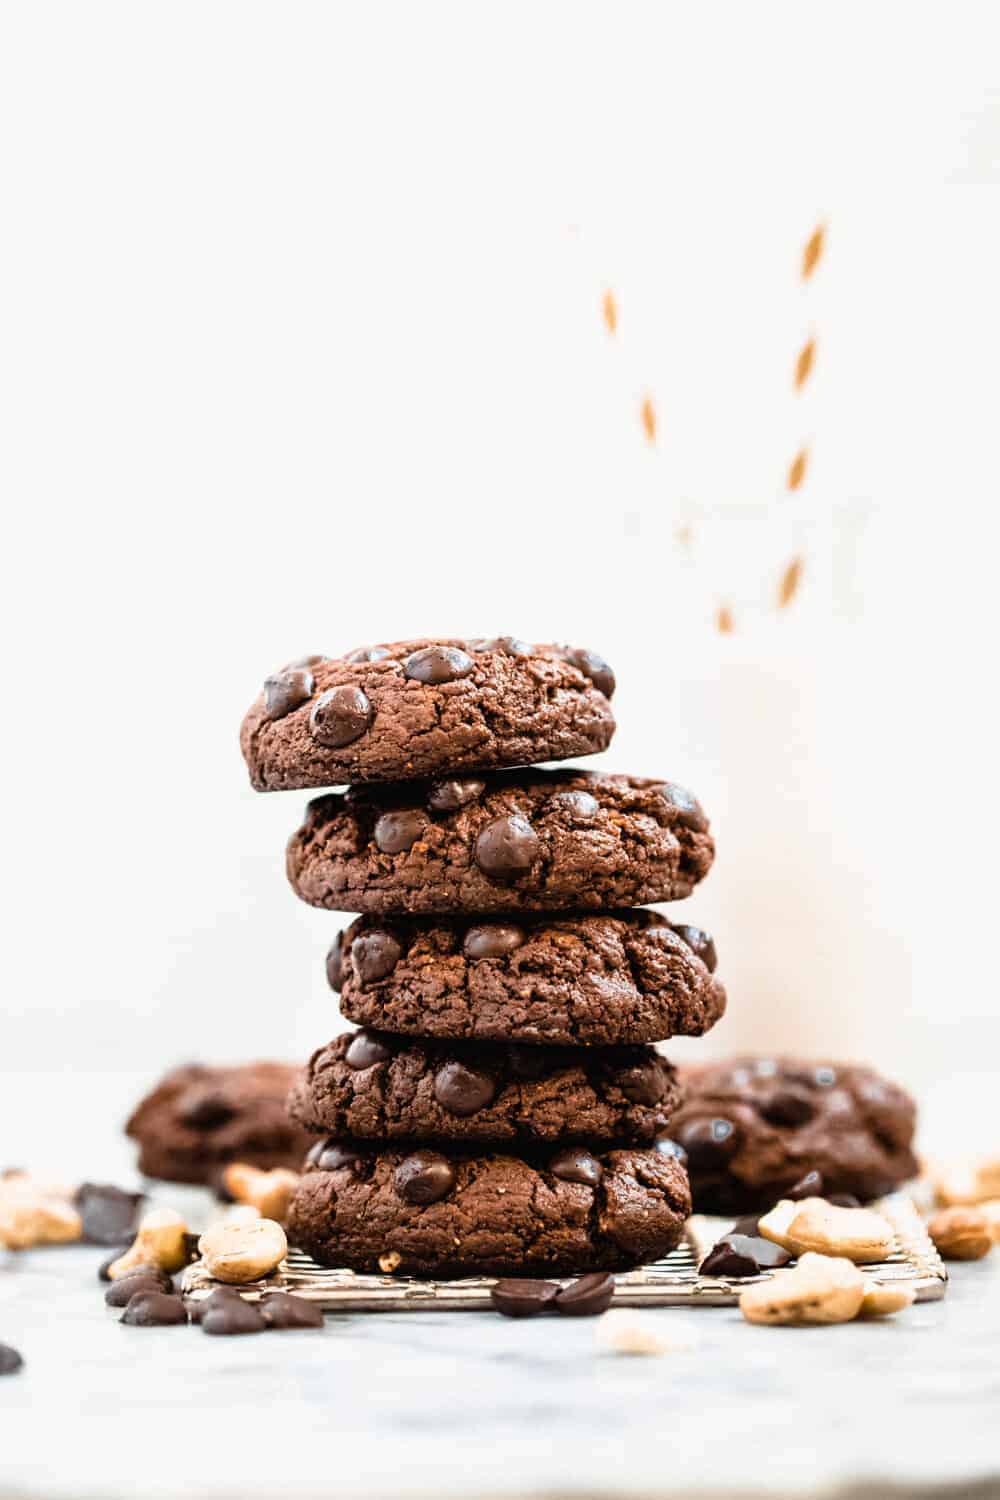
<point x="573" y="1164"/>
<point x="340" y="716"/>
<point x="644" y="1084"/>
<point x="666" y="1146"/>
<point x="287" y="690"/>
<point x="577" y="804"/>
<point x="786" y="1107"/>
<point x="10" y="1360"/>
<point x="517" y="1298"/>
<point x="374" y="955"/>
<point x="709" y="1143"/>
<point x="108" y="1214"/>
<point x="589" y="1295"/>
<point x="743" y="1255"/>
<point x="152" y="1309"/>
<point x="364" y="1050"/>
<point x="507" y="848"/>
<point x="700" y="943"/>
<point x="335" y="964"/>
<point x="144" y="1279"/>
<point x="494" y="940"/>
<point x="424" y="1177"/>
<point x="366" y="654"/>
<point x="330" y="1155"/>
<point x="225" y="1316"/>
<point x="285" y="1310"/>
<point x="437" y="664"/>
<point x="449" y="796"/>
<point x="396" y="832"/>
<point x="688" y="806"/>
<point x="461" y="1091"/>
<point x="596" y="668"/>
<point x="843" y="1200"/>
<point x="809" y="1186"/>
<point x="198" y="1307"/>
<point x="203" y="1108"/>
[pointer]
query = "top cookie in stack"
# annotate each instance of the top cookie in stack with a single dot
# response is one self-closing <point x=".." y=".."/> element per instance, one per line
<point x="508" y="989"/>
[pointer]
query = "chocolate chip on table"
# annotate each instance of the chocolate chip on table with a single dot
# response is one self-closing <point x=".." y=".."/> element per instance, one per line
<point x="573" y="1164"/>
<point x="596" y="668"/>
<point x="517" y="1298"/>
<point x="709" y="1142"/>
<point x="198" y="1306"/>
<point x="691" y="814"/>
<point x="809" y="1186"/>
<point x="586" y="1297"/>
<point x="461" y="1091"/>
<point x="287" y="690"/>
<point x="743" y="1255"/>
<point x="700" y="943"/>
<point x="397" y="832"/>
<point x="493" y="941"/>
<point x="152" y="1309"/>
<point x="644" y="1084"/>
<point x="449" y="796"/>
<point x="331" y="1155"/>
<point x="365" y="1049"/>
<point x="437" y="664"/>
<point x="229" y="1315"/>
<point x="340" y="716"/>
<point x="145" y="1279"/>
<point x="284" y="1310"/>
<point x="507" y="848"/>
<point x="424" y="1177"/>
<point x="374" y="955"/>
<point x="365" y="654"/>
<point x="108" y="1214"/>
<point x="10" y="1360"/>
<point x="335" y="965"/>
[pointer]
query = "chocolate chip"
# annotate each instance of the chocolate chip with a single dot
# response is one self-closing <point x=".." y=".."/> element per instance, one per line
<point x="461" y="1091"/>
<point x="843" y="1200"/>
<point x="10" y="1360"/>
<point x="340" y="716"/>
<point x="577" y="804"/>
<point x="786" y="1107"/>
<point x="374" y="955"/>
<point x="287" y="690"/>
<point x="573" y="1164"/>
<point x="668" y="1147"/>
<point x="366" y="654"/>
<point x="203" y="1108"/>
<point x="449" y="796"/>
<point x="507" y="848"/>
<point x="523" y="1299"/>
<point x="587" y="1296"/>
<point x="687" y="806"/>
<point x="396" y="832"/>
<point x="151" y="1309"/>
<point x="699" y="942"/>
<point x="198" y="1307"/>
<point x="494" y="941"/>
<point x="108" y="1213"/>
<point x="330" y="1155"/>
<point x="743" y="1255"/>
<point x="144" y="1279"/>
<point x="284" y="1310"/>
<point x="436" y="664"/>
<point x="809" y="1186"/>
<point x="424" y="1177"/>
<point x="596" y="668"/>
<point x="335" y="965"/>
<point x="507" y="645"/>
<point x="364" y="1050"/>
<point x="709" y="1143"/>
<point x="226" y="1316"/>
<point x="644" y="1084"/>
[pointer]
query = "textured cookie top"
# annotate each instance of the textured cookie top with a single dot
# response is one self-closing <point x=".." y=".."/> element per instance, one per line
<point x="599" y="980"/>
<point x="423" y="708"/>
<point x="505" y="841"/>
<point x="753" y="1126"/>
<point x="371" y="1085"/>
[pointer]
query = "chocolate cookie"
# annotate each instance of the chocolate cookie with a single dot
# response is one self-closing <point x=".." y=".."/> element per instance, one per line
<point x="600" y="980"/>
<point x="421" y="708"/>
<point x="372" y="1086"/>
<point x="509" y="841"/>
<point x="199" y="1118"/>
<point x="752" y="1127"/>
<point x="422" y="1213"/>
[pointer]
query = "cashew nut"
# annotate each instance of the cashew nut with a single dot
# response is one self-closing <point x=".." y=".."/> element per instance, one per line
<point x="820" y="1289"/>
<point x="26" y="1221"/>
<point x="270" y="1193"/>
<point x="856" y="1233"/>
<point x="961" y="1233"/>
<point x="239" y="1253"/>
<point x="160" y="1241"/>
<point x="885" y="1297"/>
<point x="775" y="1224"/>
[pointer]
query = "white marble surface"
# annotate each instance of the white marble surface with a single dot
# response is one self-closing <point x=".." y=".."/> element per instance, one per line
<point x="469" y="1405"/>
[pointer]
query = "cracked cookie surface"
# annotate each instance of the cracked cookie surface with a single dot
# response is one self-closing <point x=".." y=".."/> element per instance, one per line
<point x="426" y="1213"/>
<point x="419" y="708"/>
<point x="372" y="1086"/>
<point x="506" y="841"/>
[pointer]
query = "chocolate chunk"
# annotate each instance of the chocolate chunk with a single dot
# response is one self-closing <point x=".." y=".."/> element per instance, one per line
<point x="284" y="1310"/>
<point x="366" y="654"/>
<point x="198" y="1307"/>
<point x="596" y="668"/>
<point x="152" y="1309"/>
<point x="848" y="1200"/>
<point x="287" y="690"/>
<point x="507" y="848"/>
<point x="573" y="1164"/>
<point x="493" y="941"/>
<point x="584" y="1298"/>
<point x="461" y="1091"/>
<point x="644" y="1084"/>
<point x="436" y="664"/>
<point x="396" y="832"/>
<point x="688" y="806"/>
<point x="743" y="1255"/>
<point x="374" y="955"/>
<point x="709" y="1143"/>
<point x="146" y="1279"/>
<point x="335" y="965"/>
<point x="666" y="1146"/>
<point x="108" y="1213"/>
<point x="424" y="1177"/>
<point x="449" y="796"/>
<point x="365" y="1050"/>
<point x="204" y="1108"/>
<point x="517" y="1298"/>
<point x="700" y="943"/>
<point x="223" y="1316"/>
<point x="577" y="804"/>
<point x="10" y="1360"/>
<point x="809" y="1186"/>
<point x="786" y="1107"/>
<point x="331" y="1155"/>
<point x="340" y="716"/>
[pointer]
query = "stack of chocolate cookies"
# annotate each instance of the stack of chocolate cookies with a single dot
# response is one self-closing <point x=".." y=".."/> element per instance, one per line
<point x="502" y="1110"/>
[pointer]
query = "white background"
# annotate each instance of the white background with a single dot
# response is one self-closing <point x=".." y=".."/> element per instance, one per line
<point x="301" y="347"/>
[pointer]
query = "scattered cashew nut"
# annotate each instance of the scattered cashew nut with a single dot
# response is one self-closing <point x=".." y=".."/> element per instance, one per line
<point x="882" y="1298"/>
<point x="239" y="1253"/>
<point x="270" y="1193"/>
<point x="815" y="1225"/>
<point x="819" y="1289"/>
<point x="961" y="1233"/>
<point x="160" y="1241"/>
<point x="26" y="1221"/>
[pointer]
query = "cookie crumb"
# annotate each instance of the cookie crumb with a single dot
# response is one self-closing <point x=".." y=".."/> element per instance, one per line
<point x="622" y="1332"/>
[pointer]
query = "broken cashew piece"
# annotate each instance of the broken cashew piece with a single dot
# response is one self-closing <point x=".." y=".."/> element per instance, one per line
<point x="820" y="1289"/>
<point x="856" y="1233"/>
<point x="883" y="1298"/>
<point x="160" y="1241"/>
<point x="27" y="1221"/>
<point x="238" y="1253"/>
<point x="775" y="1224"/>
<point x="270" y="1193"/>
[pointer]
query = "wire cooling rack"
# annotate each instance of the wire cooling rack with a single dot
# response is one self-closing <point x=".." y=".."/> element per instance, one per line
<point x="671" y="1282"/>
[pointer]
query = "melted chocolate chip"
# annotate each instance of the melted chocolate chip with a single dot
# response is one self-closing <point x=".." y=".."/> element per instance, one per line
<point x="10" y="1360"/>
<point x="284" y="1310"/>
<point x="227" y="1316"/>
<point x="364" y="1050"/>
<point x="644" y="1084"/>
<point x="330" y="1155"/>
<point x="809" y="1186"/>
<point x="366" y="654"/>
<point x="669" y="1147"/>
<point x="151" y="1309"/>
<point x="424" y="1177"/>
<point x="449" y="796"/>
<point x="143" y="1279"/>
<point x="204" y="1109"/>
<point x="700" y="943"/>
<point x="516" y="1298"/>
<point x="335" y="965"/>
<point x="374" y="955"/>
<point x="493" y="941"/>
<point x="687" y="806"/>
<point x="340" y="716"/>
<point x="743" y="1255"/>
<point x="287" y="690"/>
<point x="507" y="848"/>
<point x="786" y="1107"/>
<point x="437" y="664"/>
<point x="396" y="832"/>
<point x="587" y="1296"/>
<point x="709" y="1143"/>
<point x="508" y="645"/>
<point x="596" y="668"/>
<point x="108" y="1213"/>
<point x="577" y="804"/>
<point x="573" y="1164"/>
<point x="461" y="1091"/>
